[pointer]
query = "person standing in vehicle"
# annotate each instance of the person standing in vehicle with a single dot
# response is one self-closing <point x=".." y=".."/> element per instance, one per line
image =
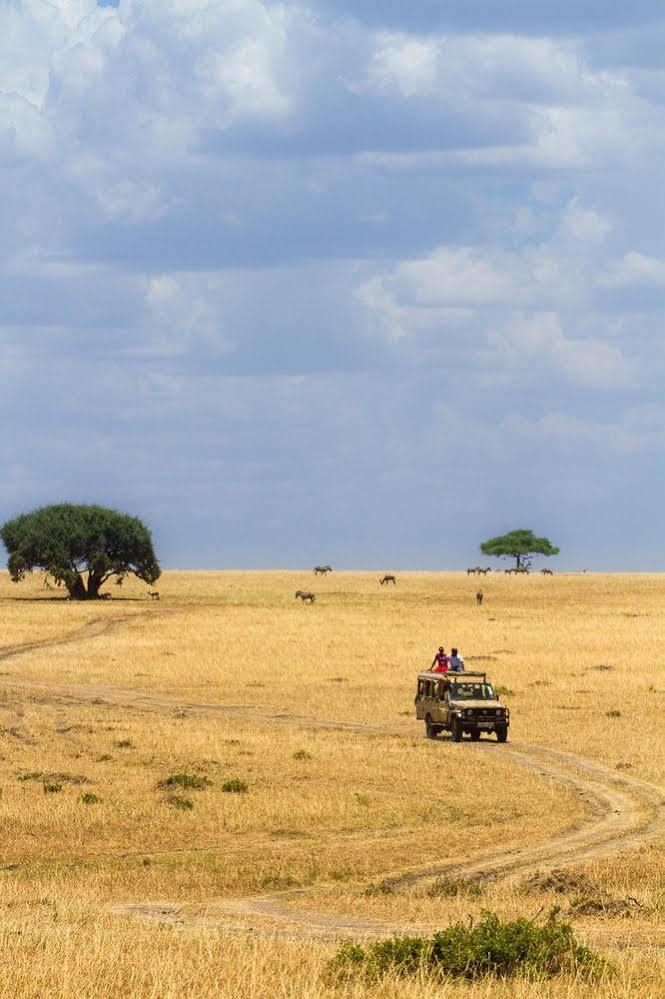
<point x="440" y="661"/>
<point x="455" y="663"/>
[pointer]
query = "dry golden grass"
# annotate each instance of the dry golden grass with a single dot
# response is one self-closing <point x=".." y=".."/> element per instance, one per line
<point x="327" y="810"/>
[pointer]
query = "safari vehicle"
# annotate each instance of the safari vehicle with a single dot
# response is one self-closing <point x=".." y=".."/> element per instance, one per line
<point x="459" y="703"/>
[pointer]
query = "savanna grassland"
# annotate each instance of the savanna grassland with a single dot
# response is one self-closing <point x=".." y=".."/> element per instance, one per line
<point x="202" y="795"/>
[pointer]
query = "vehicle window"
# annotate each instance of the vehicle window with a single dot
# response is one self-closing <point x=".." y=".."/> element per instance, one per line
<point x="472" y="692"/>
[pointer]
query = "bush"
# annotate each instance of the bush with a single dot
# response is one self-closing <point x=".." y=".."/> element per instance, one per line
<point x="50" y="788"/>
<point x="234" y="786"/>
<point x="189" y="781"/>
<point x="491" y="947"/>
<point x="302" y="754"/>
<point x="90" y="799"/>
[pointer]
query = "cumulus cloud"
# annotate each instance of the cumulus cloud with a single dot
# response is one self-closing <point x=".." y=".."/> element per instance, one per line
<point x="261" y="256"/>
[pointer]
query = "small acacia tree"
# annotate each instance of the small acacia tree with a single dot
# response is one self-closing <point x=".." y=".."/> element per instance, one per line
<point x="80" y="546"/>
<point x="520" y="545"/>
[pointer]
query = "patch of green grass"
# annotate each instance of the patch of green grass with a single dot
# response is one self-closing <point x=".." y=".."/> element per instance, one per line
<point x="492" y="946"/>
<point x="235" y="786"/>
<point x="189" y="782"/>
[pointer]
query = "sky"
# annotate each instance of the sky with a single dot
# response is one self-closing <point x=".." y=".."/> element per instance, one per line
<point x="352" y="282"/>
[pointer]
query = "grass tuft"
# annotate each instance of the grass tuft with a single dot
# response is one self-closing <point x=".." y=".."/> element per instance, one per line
<point x="189" y="782"/>
<point x="235" y="786"/>
<point x="175" y="801"/>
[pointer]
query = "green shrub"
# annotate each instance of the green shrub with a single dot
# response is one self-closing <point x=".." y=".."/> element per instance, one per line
<point x="51" y="788"/>
<point x="189" y="781"/>
<point x="90" y="799"/>
<point x="491" y="947"/>
<point x="302" y="754"/>
<point x="234" y="786"/>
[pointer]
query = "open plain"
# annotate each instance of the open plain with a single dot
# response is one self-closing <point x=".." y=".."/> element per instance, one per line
<point x="203" y="795"/>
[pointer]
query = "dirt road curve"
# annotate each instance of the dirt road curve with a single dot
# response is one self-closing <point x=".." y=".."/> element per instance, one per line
<point x="623" y="812"/>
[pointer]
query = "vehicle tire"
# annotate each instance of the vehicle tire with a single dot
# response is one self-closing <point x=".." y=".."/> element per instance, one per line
<point x="430" y="730"/>
<point x="475" y="734"/>
<point x="501" y="733"/>
<point x="456" y="730"/>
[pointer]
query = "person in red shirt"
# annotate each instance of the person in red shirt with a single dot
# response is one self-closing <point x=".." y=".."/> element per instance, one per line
<point x="440" y="661"/>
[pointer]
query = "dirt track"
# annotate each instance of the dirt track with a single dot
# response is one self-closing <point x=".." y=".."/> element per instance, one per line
<point x="623" y="812"/>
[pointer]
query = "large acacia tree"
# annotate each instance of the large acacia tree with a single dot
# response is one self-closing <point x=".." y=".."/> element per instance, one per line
<point x="520" y="545"/>
<point x="80" y="547"/>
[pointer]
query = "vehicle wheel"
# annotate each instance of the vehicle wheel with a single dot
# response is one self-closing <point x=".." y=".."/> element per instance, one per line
<point x="456" y="730"/>
<point x="430" y="730"/>
<point x="475" y="734"/>
<point x="501" y="734"/>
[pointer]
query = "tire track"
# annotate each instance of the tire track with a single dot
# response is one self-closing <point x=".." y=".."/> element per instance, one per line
<point x="623" y="812"/>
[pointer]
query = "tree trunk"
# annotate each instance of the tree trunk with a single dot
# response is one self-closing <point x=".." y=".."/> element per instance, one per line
<point x="77" y="589"/>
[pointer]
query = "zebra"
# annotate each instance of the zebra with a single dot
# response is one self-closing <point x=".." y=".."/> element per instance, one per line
<point x="387" y="579"/>
<point x="321" y="570"/>
<point x="305" y="597"/>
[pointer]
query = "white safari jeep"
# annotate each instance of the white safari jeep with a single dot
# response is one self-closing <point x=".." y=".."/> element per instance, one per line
<point x="459" y="703"/>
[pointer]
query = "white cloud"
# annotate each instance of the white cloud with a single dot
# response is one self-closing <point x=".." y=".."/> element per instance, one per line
<point x="634" y="269"/>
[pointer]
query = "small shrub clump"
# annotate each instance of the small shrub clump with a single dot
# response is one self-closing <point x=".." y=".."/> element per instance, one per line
<point x="51" y="787"/>
<point x="302" y="754"/>
<point x="614" y="713"/>
<point x="123" y="744"/>
<point x="235" y="786"/>
<point x="90" y="799"/>
<point x="491" y="947"/>
<point x="189" y="782"/>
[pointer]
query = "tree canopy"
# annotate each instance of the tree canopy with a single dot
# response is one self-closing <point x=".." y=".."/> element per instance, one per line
<point x="520" y="545"/>
<point x="80" y="547"/>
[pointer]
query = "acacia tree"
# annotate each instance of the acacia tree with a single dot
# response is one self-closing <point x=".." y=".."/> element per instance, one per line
<point x="520" y="545"/>
<point x="80" y="546"/>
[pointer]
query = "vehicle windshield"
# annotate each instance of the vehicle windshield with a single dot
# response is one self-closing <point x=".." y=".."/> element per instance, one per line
<point x="472" y="692"/>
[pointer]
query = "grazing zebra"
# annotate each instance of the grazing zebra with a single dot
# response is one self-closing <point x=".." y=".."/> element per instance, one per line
<point x="547" y="572"/>
<point x="305" y="597"/>
<point x="387" y="579"/>
<point x="484" y="572"/>
<point x="321" y="570"/>
<point x="473" y="571"/>
<point x="153" y="594"/>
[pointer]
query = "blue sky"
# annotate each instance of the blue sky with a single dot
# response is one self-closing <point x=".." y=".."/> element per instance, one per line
<point x="353" y="282"/>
